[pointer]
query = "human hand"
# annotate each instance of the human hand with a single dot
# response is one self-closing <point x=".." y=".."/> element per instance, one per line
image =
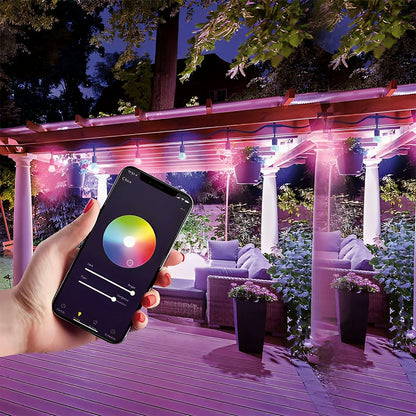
<point x="31" y="325"/>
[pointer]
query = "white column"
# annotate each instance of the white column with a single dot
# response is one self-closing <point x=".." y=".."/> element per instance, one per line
<point x="102" y="187"/>
<point x="269" y="213"/>
<point x="371" y="216"/>
<point x="323" y="297"/>
<point x="22" y="222"/>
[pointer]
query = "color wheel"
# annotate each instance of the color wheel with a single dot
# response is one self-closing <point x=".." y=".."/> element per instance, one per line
<point x="129" y="241"/>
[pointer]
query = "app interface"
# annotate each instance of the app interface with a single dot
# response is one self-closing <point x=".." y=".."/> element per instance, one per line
<point x="121" y="256"/>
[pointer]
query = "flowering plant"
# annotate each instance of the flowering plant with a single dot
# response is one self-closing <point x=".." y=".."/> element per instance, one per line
<point x="411" y="337"/>
<point x="354" y="283"/>
<point x="353" y="144"/>
<point x="248" y="153"/>
<point x="77" y="160"/>
<point x="250" y="291"/>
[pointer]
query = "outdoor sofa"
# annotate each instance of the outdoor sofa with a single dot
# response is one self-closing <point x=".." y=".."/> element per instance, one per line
<point x="206" y="299"/>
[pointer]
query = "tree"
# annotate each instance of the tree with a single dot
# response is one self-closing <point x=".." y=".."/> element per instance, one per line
<point x="137" y="21"/>
<point x="47" y="72"/>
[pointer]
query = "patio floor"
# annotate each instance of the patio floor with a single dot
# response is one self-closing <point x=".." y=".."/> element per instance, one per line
<point x="176" y="367"/>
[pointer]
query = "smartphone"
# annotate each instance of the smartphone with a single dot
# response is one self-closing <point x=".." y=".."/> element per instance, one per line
<point x="120" y="258"/>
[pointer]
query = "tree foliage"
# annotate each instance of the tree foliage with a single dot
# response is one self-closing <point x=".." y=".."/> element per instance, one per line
<point x="277" y="28"/>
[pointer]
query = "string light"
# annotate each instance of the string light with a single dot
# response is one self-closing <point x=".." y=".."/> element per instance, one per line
<point x="182" y="154"/>
<point x="275" y="146"/>
<point x="94" y="165"/>
<point x="377" y="136"/>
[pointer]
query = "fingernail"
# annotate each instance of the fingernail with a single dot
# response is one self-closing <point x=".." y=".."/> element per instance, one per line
<point x="88" y="206"/>
<point x="183" y="257"/>
<point x="142" y="317"/>
<point x="149" y="300"/>
<point x="166" y="279"/>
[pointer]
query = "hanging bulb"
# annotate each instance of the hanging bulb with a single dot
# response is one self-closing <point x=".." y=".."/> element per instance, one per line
<point x="137" y="159"/>
<point x="52" y="167"/>
<point x="182" y="154"/>
<point x="94" y="165"/>
<point x="275" y="146"/>
<point x="377" y="135"/>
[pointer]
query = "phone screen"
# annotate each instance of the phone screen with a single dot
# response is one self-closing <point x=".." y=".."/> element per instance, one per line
<point x="119" y="260"/>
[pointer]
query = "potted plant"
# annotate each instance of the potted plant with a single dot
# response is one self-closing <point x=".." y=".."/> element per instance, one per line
<point x="250" y="306"/>
<point x="352" y="299"/>
<point x="350" y="160"/>
<point x="75" y="171"/>
<point x="247" y="167"/>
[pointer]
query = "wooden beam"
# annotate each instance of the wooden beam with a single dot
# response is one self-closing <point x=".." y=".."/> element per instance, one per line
<point x="35" y="127"/>
<point x="140" y="114"/>
<point x="391" y="88"/>
<point x="83" y="122"/>
<point x="289" y="97"/>
<point x="208" y="106"/>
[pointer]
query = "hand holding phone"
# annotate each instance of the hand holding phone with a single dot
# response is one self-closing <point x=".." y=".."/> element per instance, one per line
<point x="120" y="258"/>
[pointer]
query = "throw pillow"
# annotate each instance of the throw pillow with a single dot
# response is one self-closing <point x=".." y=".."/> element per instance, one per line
<point x="244" y="249"/>
<point x="347" y="240"/>
<point x="346" y="249"/>
<point x="329" y="241"/>
<point x="223" y="250"/>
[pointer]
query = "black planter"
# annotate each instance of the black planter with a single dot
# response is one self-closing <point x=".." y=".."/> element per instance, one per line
<point x="250" y="324"/>
<point x="350" y="163"/>
<point x="352" y="314"/>
<point x="74" y="176"/>
<point x="247" y="172"/>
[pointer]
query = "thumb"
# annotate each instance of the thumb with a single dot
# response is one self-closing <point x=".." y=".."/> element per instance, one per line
<point x="73" y="234"/>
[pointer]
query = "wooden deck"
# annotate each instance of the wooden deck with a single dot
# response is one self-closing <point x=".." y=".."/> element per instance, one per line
<point x="175" y="367"/>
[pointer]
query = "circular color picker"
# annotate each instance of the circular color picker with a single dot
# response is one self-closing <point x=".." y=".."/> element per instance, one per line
<point x="129" y="241"/>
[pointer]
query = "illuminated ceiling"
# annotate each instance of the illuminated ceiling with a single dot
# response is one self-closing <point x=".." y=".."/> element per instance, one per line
<point x="299" y="122"/>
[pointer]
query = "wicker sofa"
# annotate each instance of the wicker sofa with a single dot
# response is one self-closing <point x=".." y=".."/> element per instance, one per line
<point x="206" y="299"/>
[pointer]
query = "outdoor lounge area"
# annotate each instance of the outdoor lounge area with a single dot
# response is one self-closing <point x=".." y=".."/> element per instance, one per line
<point x="187" y="361"/>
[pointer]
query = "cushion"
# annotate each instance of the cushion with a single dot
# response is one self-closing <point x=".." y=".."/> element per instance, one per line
<point x="334" y="263"/>
<point x="326" y="254"/>
<point x="329" y="241"/>
<point x="223" y="263"/>
<point x="364" y="264"/>
<point x="202" y="273"/>
<point x="347" y="240"/>
<point x="242" y="259"/>
<point x="223" y="250"/>
<point x="257" y="265"/>
<point x="244" y="249"/>
<point x="346" y="249"/>
<point x="183" y="288"/>
<point x="358" y="247"/>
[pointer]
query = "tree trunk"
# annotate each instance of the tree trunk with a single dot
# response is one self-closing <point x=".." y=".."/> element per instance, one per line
<point x="164" y="77"/>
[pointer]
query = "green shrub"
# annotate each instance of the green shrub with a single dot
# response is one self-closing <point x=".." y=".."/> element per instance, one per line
<point x="194" y="234"/>
<point x="292" y="271"/>
<point x="393" y="259"/>
<point x="244" y="224"/>
<point x="53" y="211"/>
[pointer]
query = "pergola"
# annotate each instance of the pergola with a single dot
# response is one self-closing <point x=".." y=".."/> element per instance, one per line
<point x="312" y="125"/>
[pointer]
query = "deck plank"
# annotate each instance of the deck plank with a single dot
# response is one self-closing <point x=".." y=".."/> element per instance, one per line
<point x="163" y="370"/>
<point x="369" y="380"/>
<point x="180" y="368"/>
